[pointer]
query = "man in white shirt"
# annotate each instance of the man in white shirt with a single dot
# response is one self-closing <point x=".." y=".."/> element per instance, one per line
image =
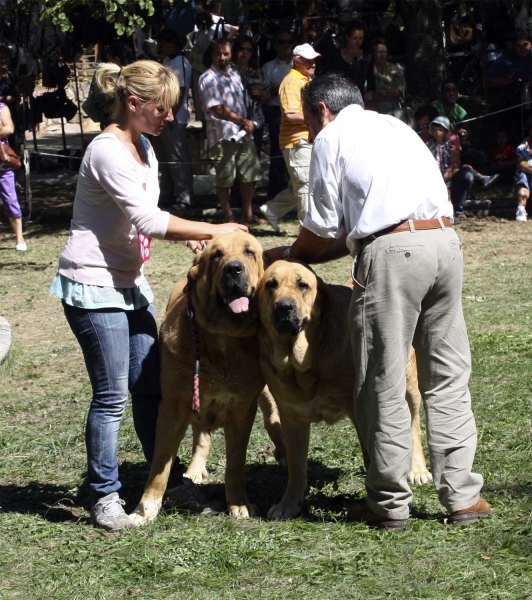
<point x="171" y="146"/>
<point x="375" y="191"/>
<point x="274" y="72"/>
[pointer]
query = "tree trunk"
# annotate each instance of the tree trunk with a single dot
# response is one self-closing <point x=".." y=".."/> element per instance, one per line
<point x="424" y="58"/>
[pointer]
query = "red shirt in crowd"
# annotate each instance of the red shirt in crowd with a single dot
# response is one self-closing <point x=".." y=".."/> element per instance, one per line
<point x="500" y="156"/>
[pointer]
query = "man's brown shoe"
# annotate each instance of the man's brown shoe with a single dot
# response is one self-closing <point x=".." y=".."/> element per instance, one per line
<point x="466" y="516"/>
<point x="363" y="514"/>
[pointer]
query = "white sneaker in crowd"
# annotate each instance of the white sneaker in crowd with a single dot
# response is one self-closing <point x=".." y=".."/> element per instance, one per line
<point x="488" y="180"/>
<point x="22" y="247"/>
<point x="520" y="215"/>
<point x="270" y="217"/>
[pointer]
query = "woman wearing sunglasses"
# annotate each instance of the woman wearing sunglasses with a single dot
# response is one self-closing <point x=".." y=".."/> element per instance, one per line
<point x="257" y="92"/>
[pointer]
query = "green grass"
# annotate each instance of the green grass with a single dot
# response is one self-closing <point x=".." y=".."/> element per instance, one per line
<point x="48" y="549"/>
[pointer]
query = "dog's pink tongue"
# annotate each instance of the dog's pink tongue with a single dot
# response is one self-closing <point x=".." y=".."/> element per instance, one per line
<point x="239" y="305"/>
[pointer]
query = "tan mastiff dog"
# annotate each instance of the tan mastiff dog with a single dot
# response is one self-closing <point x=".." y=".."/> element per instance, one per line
<point x="307" y="361"/>
<point x="221" y="291"/>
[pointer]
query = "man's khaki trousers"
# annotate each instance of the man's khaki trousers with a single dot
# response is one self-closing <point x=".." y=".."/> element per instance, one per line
<point x="408" y="291"/>
<point x="297" y="161"/>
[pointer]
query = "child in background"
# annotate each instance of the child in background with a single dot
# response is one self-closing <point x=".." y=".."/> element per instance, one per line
<point x="503" y="157"/>
<point x="459" y="178"/>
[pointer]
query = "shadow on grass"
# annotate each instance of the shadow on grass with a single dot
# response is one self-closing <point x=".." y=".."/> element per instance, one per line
<point x="55" y="503"/>
<point x="63" y="503"/>
<point x="24" y="265"/>
<point x="265" y="484"/>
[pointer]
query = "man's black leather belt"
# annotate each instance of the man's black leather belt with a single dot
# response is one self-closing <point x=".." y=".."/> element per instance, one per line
<point x="411" y="225"/>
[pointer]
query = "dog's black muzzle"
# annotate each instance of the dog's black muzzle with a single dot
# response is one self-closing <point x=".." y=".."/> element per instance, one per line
<point x="286" y="319"/>
<point x="234" y="280"/>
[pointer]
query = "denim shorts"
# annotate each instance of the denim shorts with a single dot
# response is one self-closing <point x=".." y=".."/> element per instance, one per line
<point x="523" y="179"/>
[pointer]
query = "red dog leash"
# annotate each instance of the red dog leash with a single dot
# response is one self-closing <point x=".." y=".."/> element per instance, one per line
<point x="196" y="342"/>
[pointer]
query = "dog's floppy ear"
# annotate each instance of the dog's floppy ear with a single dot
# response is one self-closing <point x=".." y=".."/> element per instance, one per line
<point x="197" y="270"/>
<point x="322" y="298"/>
<point x="266" y="262"/>
<point x="262" y="266"/>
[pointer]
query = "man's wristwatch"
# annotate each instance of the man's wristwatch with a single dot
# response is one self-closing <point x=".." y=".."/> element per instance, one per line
<point x="287" y="253"/>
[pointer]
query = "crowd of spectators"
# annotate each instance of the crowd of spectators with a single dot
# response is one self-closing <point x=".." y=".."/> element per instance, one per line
<point x="483" y="78"/>
<point x="485" y="100"/>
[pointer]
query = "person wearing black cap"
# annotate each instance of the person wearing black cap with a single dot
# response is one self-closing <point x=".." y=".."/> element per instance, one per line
<point x="171" y="147"/>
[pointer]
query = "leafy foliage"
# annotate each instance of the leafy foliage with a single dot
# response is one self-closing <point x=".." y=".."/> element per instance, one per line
<point x="124" y="14"/>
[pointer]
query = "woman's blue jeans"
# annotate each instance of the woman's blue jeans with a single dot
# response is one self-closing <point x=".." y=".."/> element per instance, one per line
<point x="121" y="353"/>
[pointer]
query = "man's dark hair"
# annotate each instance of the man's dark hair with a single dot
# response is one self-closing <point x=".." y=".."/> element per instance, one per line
<point x="447" y="82"/>
<point x="203" y="20"/>
<point x="218" y="43"/>
<point x="281" y="30"/>
<point x="6" y="50"/>
<point x="427" y="110"/>
<point x="522" y="34"/>
<point x="354" y="25"/>
<point x="335" y="91"/>
<point x="123" y="52"/>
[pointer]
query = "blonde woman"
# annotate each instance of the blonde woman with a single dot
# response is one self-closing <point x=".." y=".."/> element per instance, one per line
<point x="106" y="299"/>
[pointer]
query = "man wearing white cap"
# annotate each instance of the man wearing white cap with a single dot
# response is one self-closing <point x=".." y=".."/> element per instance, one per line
<point x="293" y="139"/>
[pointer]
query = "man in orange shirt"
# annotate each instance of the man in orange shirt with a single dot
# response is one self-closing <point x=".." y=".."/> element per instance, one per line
<point x="293" y="139"/>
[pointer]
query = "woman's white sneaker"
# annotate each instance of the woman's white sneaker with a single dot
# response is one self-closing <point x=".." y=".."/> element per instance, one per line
<point x="108" y="513"/>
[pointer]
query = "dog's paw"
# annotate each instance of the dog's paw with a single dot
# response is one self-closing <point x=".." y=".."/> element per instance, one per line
<point x="282" y="462"/>
<point x="280" y="456"/>
<point x="285" y="511"/>
<point x="144" y="513"/>
<point x="243" y="511"/>
<point x="197" y="476"/>
<point x="419" y="476"/>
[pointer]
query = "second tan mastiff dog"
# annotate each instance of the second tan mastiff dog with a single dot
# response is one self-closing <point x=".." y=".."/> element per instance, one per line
<point x="307" y="361"/>
<point x="222" y="285"/>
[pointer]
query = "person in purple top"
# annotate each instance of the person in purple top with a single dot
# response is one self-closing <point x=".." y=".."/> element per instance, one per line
<point x="8" y="193"/>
